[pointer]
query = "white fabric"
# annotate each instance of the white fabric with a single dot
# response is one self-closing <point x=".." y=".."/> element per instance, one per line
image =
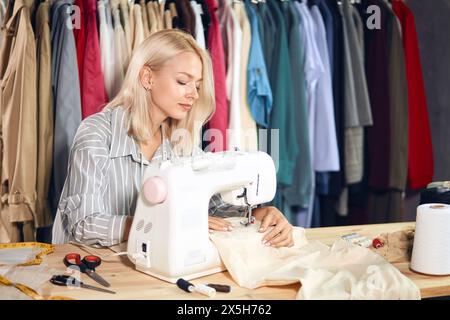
<point x="106" y="49"/>
<point x="199" y="32"/>
<point x="344" y="271"/>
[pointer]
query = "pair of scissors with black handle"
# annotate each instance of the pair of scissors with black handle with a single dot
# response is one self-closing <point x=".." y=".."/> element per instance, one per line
<point x="87" y="265"/>
<point x="63" y="280"/>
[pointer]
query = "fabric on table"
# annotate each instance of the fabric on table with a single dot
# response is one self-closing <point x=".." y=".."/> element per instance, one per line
<point x="342" y="271"/>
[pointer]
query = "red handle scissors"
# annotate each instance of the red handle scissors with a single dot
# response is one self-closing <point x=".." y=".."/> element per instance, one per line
<point x="86" y="265"/>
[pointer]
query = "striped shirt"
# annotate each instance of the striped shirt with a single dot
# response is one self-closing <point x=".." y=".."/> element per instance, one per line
<point x="103" y="181"/>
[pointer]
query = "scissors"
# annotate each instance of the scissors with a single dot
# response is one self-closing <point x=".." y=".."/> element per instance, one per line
<point x="87" y="265"/>
<point x="63" y="280"/>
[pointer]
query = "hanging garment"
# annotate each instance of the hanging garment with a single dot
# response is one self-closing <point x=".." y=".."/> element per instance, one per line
<point x="259" y="93"/>
<point x="168" y="19"/>
<point x="398" y="93"/>
<point x="358" y="110"/>
<point x="79" y="33"/>
<point x="139" y="35"/>
<point x="2" y="17"/>
<point x="219" y="120"/>
<point x="232" y="44"/>
<point x="18" y="109"/>
<point x="107" y="51"/>
<point x="378" y="135"/>
<point x="187" y="16"/>
<point x="120" y="51"/>
<point x="125" y="14"/>
<point x="175" y="21"/>
<point x="335" y="32"/>
<point x="313" y="70"/>
<point x="66" y="95"/>
<point x="282" y="115"/>
<point x="298" y="194"/>
<point x="152" y="20"/>
<point x="206" y="19"/>
<point x="326" y="156"/>
<point x="249" y="135"/>
<point x="94" y="95"/>
<point x="420" y="149"/>
<point x="45" y="116"/>
<point x="144" y="18"/>
<point x="159" y="12"/>
<point x="343" y="272"/>
<point x="199" y="32"/>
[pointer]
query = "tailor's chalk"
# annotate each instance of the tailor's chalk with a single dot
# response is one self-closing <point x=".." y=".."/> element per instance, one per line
<point x="220" y="287"/>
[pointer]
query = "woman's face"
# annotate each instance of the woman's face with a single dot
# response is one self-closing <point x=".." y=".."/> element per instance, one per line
<point x="175" y="86"/>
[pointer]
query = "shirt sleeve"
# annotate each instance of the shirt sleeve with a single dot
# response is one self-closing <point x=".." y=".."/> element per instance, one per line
<point x="82" y="205"/>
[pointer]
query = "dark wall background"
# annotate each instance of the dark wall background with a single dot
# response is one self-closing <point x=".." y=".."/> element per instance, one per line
<point x="433" y="28"/>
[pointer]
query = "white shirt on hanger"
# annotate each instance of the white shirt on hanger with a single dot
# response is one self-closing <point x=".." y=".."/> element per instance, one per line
<point x="199" y="32"/>
<point x="106" y="48"/>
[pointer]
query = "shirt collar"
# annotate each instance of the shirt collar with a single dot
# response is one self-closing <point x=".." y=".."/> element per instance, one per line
<point x="123" y="145"/>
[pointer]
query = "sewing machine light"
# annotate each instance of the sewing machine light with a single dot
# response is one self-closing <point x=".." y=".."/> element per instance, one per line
<point x="155" y="190"/>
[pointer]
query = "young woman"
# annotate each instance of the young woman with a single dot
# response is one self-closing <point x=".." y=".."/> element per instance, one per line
<point x="168" y="86"/>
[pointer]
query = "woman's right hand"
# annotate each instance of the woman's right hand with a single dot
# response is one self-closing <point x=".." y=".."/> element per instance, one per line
<point x="219" y="224"/>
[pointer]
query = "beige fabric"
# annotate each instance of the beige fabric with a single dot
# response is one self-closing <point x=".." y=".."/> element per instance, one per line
<point x="158" y="14"/>
<point x="168" y="19"/>
<point x="152" y="19"/>
<point x="124" y="10"/>
<point x="144" y="19"/>
<point x="120" y="51"/>
<point x="138" y="27"/>
<point x="45" y="116"/>
<point x="18" y="104"/>
<point x="344" y="271"/>
<point x="249" y="132"/>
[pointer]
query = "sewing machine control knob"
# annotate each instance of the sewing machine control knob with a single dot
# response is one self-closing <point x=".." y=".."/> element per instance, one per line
<point x="155" y="190"/>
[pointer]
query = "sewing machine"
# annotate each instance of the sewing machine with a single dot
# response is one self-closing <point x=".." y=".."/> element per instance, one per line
<point x="169" y="236"/>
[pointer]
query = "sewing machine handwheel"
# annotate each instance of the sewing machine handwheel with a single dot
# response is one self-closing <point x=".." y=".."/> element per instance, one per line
<point x="155" y="190"/>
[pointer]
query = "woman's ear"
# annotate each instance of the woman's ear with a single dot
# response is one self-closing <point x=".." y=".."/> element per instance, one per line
<point x="146" y="77"/>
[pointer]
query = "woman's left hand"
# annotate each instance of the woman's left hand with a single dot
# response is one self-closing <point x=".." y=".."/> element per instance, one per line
<point x="281" y="234"/>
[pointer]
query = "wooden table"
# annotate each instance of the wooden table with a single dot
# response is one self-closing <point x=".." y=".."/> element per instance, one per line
<point x="131" y="284"/>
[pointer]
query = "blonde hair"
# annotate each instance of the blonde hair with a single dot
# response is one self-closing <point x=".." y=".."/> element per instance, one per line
<point x="154" y="52"/>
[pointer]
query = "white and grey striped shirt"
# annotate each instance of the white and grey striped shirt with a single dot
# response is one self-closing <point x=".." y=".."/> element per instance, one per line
<point x="103" y="181"/>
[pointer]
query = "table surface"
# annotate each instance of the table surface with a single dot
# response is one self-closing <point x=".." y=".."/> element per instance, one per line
<point x="131" y="284"/>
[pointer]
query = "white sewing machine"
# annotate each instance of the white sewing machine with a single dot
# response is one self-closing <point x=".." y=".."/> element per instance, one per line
<point x="169" y="237"/>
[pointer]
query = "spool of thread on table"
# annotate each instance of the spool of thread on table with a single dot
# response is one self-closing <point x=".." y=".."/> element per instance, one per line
<point x="206" y="290"/>
<point x="200" y="288"/>
<point x="220" y="287"/>
<point x="185" y="285"/>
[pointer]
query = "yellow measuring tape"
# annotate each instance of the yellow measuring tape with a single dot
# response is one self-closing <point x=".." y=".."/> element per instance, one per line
<point x="28" y="291"/>
<point x="46" y="249"/>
